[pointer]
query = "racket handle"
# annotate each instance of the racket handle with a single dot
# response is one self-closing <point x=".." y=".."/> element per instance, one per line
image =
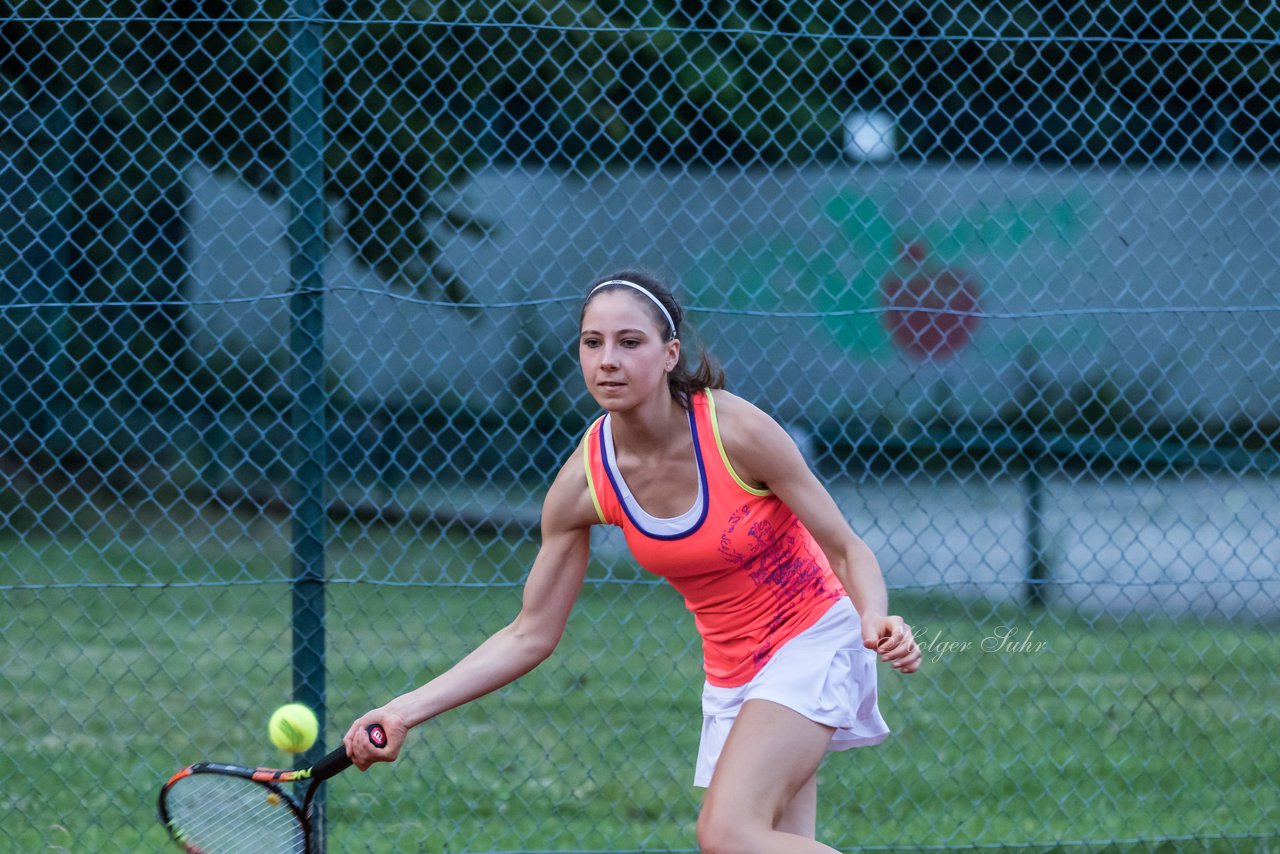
<point x="338" y="761"/>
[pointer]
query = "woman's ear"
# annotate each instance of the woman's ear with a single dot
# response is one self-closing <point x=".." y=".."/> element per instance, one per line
<point x="673" y="354"/>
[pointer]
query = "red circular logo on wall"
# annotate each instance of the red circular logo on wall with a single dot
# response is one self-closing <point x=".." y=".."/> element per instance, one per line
<point x="932" y="312"/>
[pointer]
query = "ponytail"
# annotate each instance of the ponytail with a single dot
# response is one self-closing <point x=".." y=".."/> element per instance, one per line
<point x="683" y="382"/>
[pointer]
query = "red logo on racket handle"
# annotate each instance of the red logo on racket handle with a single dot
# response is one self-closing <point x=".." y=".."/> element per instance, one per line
<point x="377" y="736"/>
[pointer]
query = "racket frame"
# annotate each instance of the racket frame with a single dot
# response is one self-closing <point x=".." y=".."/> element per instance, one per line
<point x="273" y="780"/>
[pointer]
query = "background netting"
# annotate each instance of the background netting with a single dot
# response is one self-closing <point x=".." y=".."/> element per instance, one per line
<point x="288" y="297"/>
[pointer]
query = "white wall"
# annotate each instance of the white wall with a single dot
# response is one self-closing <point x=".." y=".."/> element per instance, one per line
<point x="1105" y="260"/>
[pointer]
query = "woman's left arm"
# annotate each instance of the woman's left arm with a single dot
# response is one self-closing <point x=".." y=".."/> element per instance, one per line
<point x="762" y="452"/>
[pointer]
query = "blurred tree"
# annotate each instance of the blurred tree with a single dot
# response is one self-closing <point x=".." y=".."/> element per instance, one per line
<point x="420" y="94"/>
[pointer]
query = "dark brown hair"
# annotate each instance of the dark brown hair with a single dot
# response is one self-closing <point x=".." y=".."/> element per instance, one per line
<point x="682" y="381"/>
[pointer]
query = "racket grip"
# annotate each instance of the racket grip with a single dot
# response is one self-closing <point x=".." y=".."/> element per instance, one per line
<point x="338" y="761"/>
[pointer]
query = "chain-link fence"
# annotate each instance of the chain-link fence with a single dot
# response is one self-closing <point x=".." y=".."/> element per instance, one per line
<point x="288" y="294"/>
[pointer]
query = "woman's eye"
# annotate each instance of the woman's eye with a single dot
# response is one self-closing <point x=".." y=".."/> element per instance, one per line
<point x="630" y="342"/>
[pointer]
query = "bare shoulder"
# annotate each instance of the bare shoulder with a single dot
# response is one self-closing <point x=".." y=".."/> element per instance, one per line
<point x="741" y="421"/>
<point x="754" y="441"/>
<point x="568" y="504"/>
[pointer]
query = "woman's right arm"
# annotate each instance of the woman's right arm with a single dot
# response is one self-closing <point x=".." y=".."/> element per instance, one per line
<point x="549" y="594"/>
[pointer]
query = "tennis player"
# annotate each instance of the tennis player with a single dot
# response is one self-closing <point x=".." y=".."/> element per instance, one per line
<point x="712" y="494"/>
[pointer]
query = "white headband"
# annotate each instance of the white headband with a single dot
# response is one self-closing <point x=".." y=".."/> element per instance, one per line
<point x="662" y="308"/>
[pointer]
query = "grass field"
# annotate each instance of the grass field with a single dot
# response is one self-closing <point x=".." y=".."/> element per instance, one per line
<point x="1114" y="731"/>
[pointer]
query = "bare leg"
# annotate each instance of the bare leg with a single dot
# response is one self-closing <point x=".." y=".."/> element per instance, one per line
<point x="801" y="815"/>
<point x="763" y="795"/>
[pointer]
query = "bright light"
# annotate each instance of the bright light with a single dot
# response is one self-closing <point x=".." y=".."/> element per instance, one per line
<point x="870" y="136"/>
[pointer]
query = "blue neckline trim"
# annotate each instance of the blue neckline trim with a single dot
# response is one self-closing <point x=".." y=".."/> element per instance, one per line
<point x="702" y="478"/>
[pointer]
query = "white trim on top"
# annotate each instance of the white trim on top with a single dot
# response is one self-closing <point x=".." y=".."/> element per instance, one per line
<point x="649" y="524"/>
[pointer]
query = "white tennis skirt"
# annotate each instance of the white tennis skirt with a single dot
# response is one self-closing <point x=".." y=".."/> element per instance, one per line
<point x="824" y="673"/>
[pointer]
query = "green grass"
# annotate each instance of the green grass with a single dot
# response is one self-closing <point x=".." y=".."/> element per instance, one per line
<point x="1116" y="730"/>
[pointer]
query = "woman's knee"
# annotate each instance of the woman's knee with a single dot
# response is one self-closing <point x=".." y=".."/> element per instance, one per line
<point x="720" y="832"/>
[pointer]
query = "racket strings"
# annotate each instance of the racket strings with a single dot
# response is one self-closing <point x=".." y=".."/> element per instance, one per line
<point x="221" y="814"/>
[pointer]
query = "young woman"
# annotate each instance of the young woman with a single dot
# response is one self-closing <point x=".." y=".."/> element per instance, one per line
<point x="712" y="494"/>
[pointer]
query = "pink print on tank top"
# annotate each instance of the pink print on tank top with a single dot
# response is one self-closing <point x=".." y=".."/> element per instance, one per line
<point x="782" y="564"/>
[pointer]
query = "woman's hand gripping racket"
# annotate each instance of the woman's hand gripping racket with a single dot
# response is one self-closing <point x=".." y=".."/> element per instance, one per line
<point x="211" y="808"/>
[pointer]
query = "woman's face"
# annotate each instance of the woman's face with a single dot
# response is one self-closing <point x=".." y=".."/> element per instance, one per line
<point x="625" y="357"/>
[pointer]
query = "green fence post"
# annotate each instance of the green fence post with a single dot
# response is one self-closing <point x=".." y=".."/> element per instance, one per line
<point x="1037" y="560"/>
<point x="62" y="164"/>
<point x="306" y="341"/>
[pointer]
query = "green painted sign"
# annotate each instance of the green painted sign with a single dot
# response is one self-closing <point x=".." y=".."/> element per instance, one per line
<point x="838" y="268"/>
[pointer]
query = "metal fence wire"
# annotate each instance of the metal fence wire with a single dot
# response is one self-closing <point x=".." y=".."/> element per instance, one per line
<point x="288" y="300"/>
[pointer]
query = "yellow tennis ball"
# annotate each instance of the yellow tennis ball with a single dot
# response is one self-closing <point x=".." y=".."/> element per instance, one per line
<point x="293" y="727"/>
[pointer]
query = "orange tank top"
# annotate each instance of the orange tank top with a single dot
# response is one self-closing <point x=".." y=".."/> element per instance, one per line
<point x="750" y="572"/>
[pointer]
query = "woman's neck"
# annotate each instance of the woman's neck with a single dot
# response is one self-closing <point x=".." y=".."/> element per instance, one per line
<point x="651" y="427"/>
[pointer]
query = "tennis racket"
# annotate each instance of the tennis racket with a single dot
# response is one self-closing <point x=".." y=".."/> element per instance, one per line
<point x="211" y="808"/>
